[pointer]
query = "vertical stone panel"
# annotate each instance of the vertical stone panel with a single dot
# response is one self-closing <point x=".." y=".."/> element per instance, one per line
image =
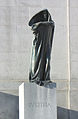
<point x="74" y="58"/>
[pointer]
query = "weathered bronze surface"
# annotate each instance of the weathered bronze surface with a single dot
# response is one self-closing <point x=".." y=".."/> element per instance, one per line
<point x="43" y="29"/>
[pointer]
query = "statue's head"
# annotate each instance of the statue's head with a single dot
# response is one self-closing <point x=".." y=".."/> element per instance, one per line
<point x="42" y="16"/>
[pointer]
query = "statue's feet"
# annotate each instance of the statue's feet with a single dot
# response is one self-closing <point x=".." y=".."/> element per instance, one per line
<point x="43" y="83"/>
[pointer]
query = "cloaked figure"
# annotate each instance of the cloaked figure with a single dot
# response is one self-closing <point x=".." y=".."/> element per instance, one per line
<point x="43" y="30"/>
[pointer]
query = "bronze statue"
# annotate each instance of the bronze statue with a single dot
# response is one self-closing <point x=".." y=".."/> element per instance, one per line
<point x="43" y="29"/>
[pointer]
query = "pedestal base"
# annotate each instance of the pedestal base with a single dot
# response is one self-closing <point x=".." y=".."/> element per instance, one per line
<point x="37" y="102"/>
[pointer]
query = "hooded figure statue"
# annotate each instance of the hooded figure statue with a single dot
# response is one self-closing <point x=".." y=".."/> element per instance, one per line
<point x="43" y="30"/>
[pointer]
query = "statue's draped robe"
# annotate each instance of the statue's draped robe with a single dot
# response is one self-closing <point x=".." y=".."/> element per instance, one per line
<point x="43" y="29"/>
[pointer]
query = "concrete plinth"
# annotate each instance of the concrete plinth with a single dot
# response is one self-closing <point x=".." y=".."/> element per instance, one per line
<point x="37" y="102"/>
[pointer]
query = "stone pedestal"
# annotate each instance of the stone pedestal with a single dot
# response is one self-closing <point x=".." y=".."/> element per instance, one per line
<point x="37" y="102"/>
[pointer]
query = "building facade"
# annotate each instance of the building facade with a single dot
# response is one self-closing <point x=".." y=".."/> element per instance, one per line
<point x="15" y="48"/>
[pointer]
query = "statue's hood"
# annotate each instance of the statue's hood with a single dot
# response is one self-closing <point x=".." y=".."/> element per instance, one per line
<point x="42" y="16"/>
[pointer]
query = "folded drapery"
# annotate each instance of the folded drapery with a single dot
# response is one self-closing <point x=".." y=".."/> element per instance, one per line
<point x="43" y="29"/>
